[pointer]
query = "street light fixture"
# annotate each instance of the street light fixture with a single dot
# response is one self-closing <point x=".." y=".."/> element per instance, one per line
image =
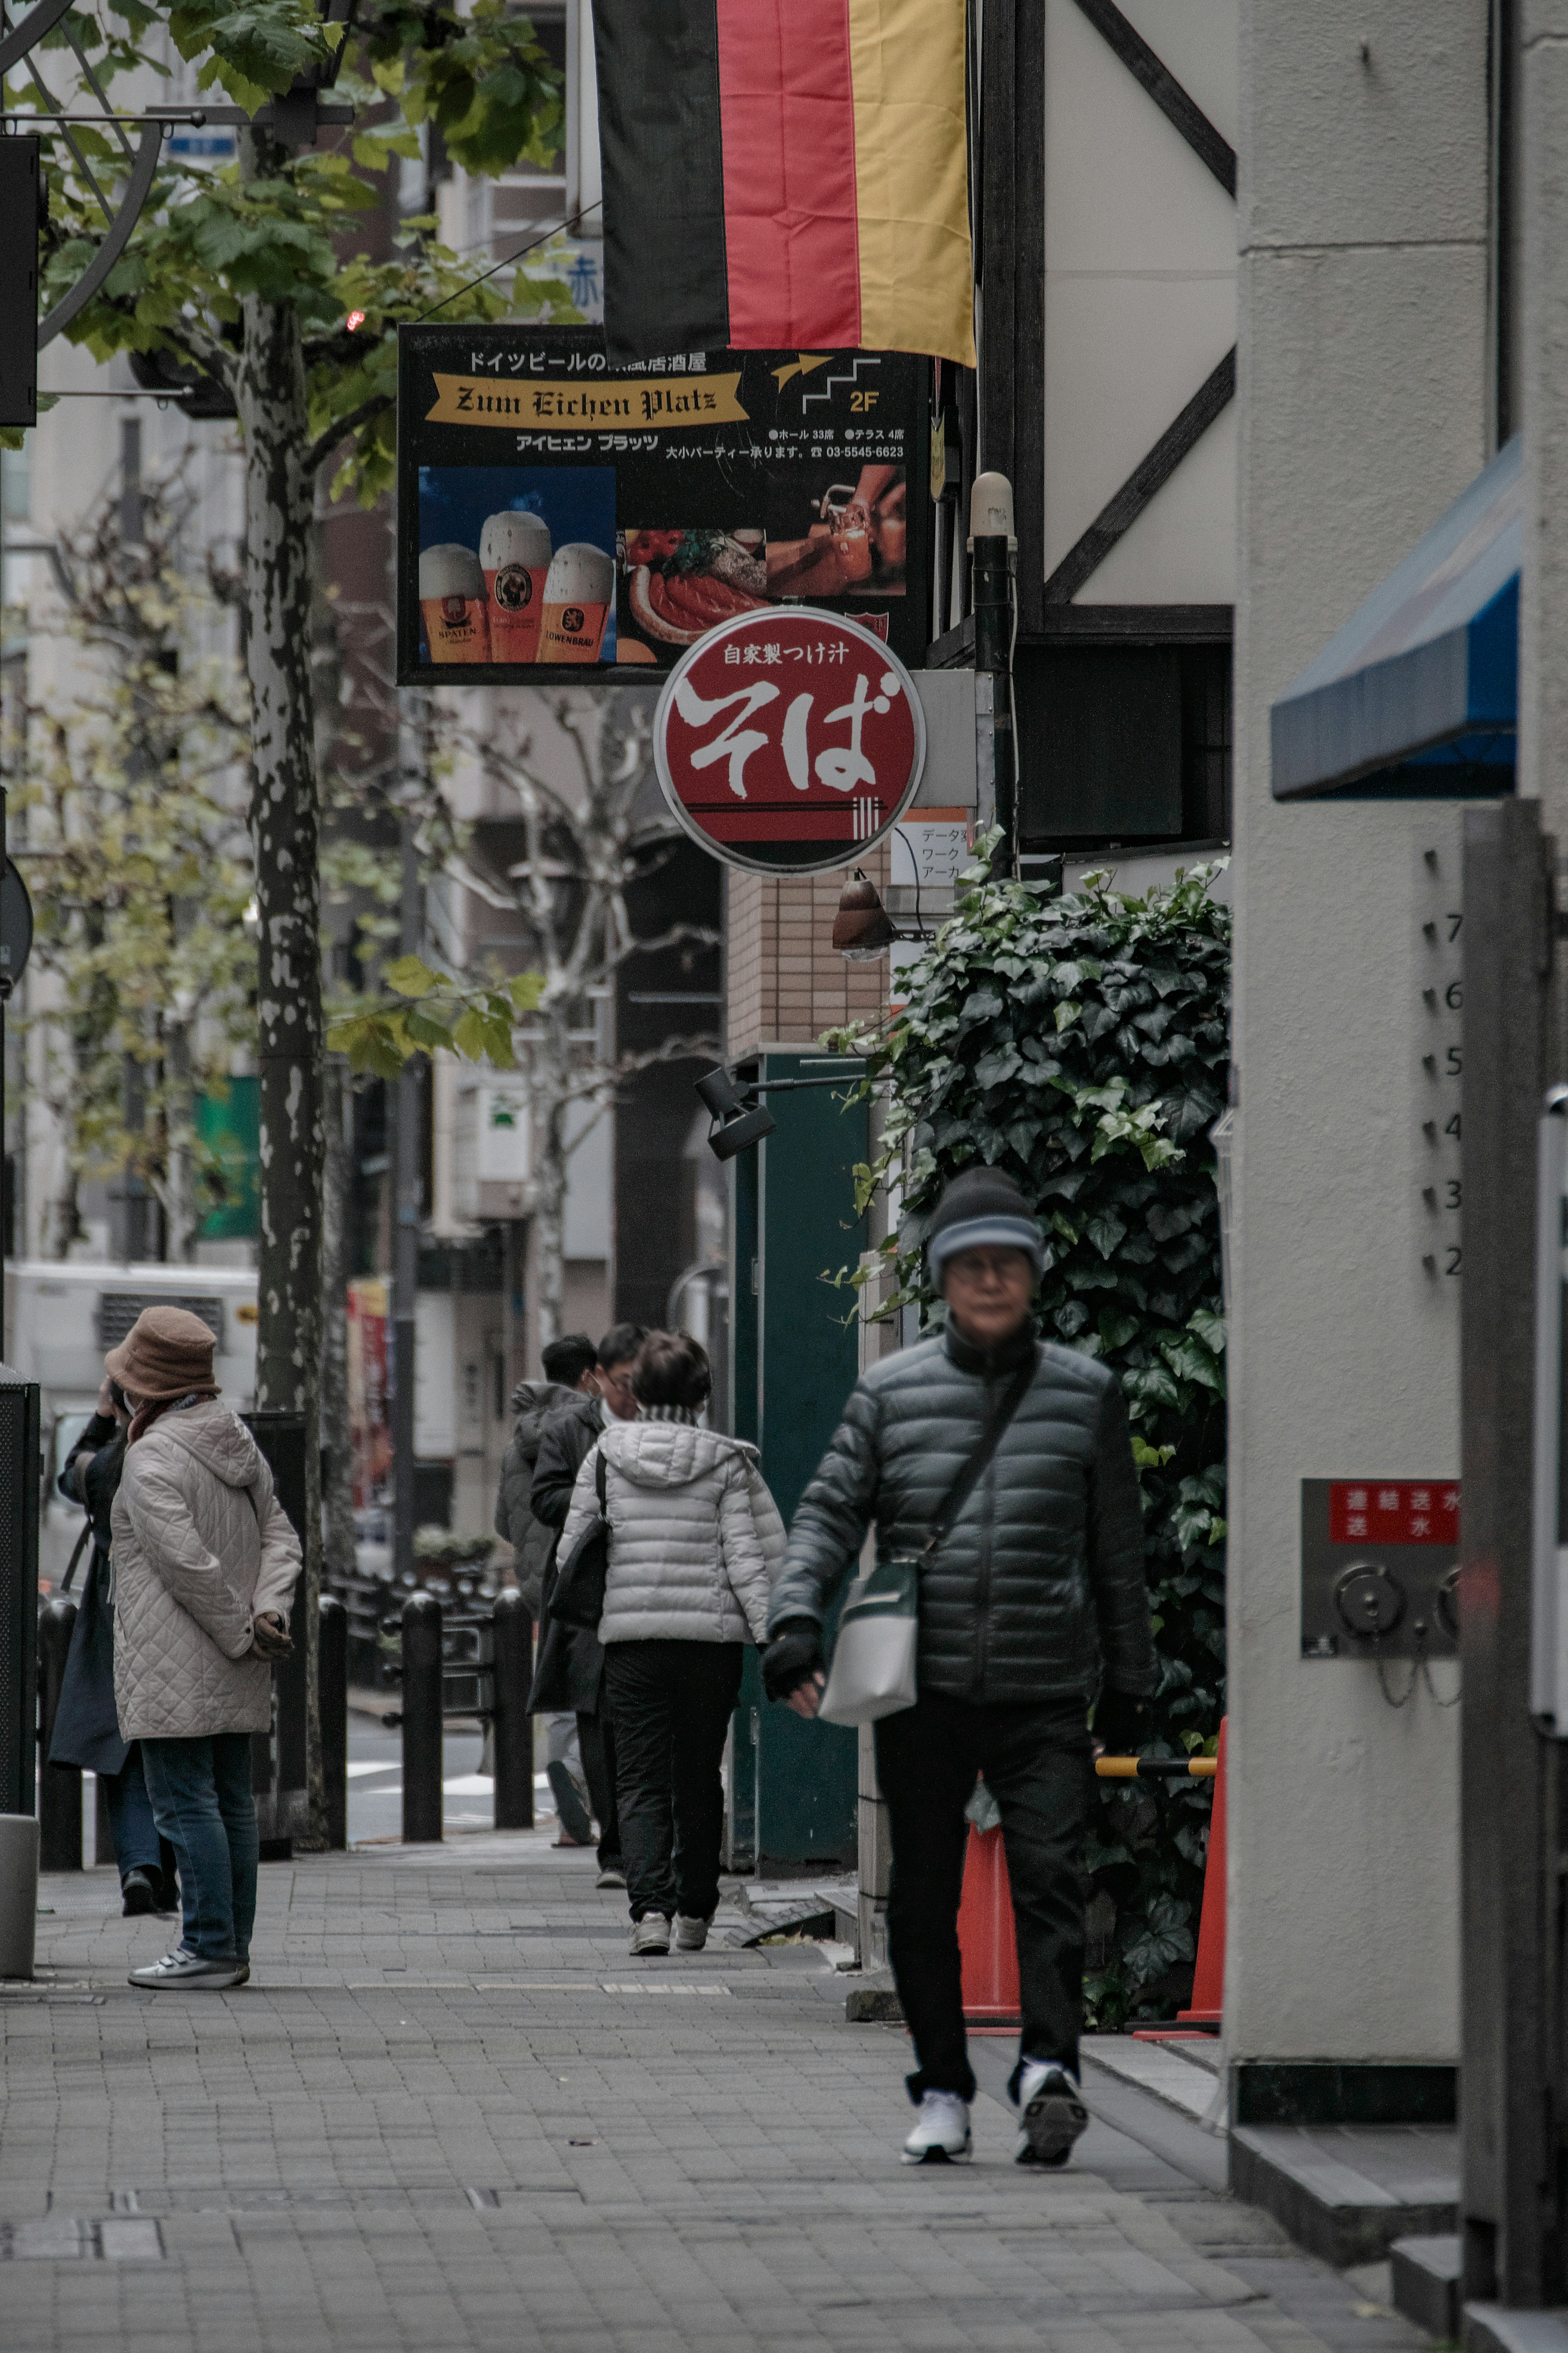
<point x="862" y="929"/>
<point x="737" y="1122"/>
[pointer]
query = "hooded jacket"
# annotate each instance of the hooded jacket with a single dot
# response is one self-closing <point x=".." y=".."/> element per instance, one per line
<point x="695" y="1536"/>
<point x="534" y="1403"/>
<point x="202" y="1548"/>
<point x="1037" y="1590"/>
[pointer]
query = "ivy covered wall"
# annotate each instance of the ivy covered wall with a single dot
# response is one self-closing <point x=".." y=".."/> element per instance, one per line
<point x="1081" y="1044"/>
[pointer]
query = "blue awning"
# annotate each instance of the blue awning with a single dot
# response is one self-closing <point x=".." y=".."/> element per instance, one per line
<point x="1416" y="698"/>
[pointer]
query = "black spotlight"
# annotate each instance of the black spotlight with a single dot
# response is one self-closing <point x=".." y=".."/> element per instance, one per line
<point x="736" y="1123"/>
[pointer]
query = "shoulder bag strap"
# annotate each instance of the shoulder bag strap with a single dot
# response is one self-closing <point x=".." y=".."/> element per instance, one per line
<point x="969" y="1478"/>
<point x="80" y="1547"/>
<point x="599" y="1485"/>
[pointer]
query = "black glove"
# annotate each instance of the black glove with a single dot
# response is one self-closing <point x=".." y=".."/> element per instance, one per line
<point x="793" y="1656"/>
<point x="1121" y="1721"/>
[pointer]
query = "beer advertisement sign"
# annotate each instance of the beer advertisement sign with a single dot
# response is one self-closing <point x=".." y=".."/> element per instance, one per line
<point x="557" y="517"/>
<point x="789" y="742"/>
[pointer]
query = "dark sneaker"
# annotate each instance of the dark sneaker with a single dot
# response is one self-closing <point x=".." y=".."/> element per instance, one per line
<point x="137" y="1895"/>
<point x="1054" y="2114"/>
<point x="182" y="1972"/>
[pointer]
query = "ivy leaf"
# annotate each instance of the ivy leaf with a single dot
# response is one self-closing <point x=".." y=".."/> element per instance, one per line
<point x="1067" y="1014"/>
<point x="1105" y="1231"/>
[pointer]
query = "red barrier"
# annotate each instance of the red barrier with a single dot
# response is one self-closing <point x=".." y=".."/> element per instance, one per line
<point x="986" y="1939"/>
<point x="987" y="1942"/>
<point x="1208" y="1978"/>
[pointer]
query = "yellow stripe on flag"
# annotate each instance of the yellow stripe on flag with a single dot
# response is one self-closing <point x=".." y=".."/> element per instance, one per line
<point x="917" y="279"/>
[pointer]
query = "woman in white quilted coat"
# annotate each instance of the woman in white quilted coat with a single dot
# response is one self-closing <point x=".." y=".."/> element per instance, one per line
<point x="204" y="1564"/>
<point x="695" y="1543"/>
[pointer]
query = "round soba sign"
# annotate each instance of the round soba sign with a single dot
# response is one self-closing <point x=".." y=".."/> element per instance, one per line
<point x="789" y="742"/>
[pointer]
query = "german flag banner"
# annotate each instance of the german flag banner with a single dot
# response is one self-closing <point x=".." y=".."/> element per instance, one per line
<point x="785" y="174"/>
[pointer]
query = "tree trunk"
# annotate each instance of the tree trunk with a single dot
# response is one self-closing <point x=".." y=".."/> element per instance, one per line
<point x="337" y="1440"/>
<point x="549" y="1230"/>
<point x="284" y="818"/>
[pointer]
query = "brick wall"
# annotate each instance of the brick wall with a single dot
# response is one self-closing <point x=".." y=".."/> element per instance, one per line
<point x="787" y="981"/>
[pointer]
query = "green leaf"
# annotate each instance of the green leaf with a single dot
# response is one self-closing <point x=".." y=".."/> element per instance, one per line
<point x="410" y="976"/>
<point x="1065" y="1014"/>
<point x="468" y="1036"/>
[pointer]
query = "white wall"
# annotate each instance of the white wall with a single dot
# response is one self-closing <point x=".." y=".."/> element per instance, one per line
<point x="1140" y="299"/>
<point x="1361" y="416"/>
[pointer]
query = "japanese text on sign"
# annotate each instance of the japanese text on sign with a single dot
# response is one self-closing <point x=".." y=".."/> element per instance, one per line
<point x="1394" y="1512"/>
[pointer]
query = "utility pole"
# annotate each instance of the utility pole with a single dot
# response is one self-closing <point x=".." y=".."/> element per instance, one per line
<point x="994" y="549"/>
<point x="405" y="1206"/>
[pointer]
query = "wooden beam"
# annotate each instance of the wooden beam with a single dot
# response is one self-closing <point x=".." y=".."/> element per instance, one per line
<point x="1153" y="75"/>
<point x="1151" y="474"/>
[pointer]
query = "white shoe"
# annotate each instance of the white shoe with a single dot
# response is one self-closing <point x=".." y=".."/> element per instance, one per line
<point x="182" y="1972"/>
<point x="650" y="1933"/>
<point x="942" y="2134"/>
<point x="690" y="1935"/>
<point x="1053" y="2112"/>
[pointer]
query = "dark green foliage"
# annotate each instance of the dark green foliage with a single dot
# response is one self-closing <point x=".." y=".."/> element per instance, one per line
<point x="1081" y="1045"/>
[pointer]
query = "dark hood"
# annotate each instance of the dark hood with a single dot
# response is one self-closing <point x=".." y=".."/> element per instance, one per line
<point x="536" y="1402"/>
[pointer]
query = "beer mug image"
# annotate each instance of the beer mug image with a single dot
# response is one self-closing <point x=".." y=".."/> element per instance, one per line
<point x="577" y="592"/>
<point x="514" y="556"/>
<point x="452" y="604"/>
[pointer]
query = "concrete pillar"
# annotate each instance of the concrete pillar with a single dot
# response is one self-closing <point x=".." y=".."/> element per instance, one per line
<point x="1542" y="206"/>
<point x="1363" y="407"/>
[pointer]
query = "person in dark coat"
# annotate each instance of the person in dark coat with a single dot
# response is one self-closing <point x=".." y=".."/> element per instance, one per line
<point x="86" y="1729"/>
<point x="570" y="1661"/>
<point x="567" y="1364"/>
<point x="1034" y="1602"/>
<point x="533" y="1404"/>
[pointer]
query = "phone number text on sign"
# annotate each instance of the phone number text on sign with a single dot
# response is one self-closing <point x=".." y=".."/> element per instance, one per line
<point x="789" y="743"/>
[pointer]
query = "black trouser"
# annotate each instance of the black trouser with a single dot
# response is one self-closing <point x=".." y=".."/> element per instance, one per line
<point x="671" y="1704"/>
<point x="1037" y="1763"/>
<point x="597" y="1746"/>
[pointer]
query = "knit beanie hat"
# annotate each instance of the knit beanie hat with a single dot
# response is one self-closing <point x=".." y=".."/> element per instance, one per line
<point x="166" y="1351"/>
<point x="982" y="1206"/>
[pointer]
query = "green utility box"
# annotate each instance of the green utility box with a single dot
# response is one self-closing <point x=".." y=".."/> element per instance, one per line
<point x="794" y="1361"/>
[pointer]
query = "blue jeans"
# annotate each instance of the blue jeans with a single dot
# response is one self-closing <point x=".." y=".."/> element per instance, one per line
<point x="201" y="1796"/>
<point x="131" y="1822"/>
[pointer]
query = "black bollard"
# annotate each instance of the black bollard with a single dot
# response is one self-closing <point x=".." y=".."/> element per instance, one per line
<point x="511" y="1674"/>
<point x="422" y="1726"/>
<point x="59" y="1786"/>
<point x="334" y="1691"/>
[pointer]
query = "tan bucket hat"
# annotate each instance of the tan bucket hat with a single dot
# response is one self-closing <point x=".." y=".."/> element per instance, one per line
<point x="166" y="1351"/>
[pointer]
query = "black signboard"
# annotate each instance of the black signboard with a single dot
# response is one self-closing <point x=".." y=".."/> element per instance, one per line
<point x="559" y="520"/>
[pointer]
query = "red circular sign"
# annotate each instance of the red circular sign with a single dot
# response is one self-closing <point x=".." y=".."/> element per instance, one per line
<point x="789" y="742"/>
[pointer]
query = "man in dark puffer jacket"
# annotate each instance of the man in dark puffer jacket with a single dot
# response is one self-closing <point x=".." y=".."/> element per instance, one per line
<point x="1035" y="1598"/>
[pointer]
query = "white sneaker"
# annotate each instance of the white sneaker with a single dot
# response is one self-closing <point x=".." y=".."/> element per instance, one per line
<point x="650" y="1933"/>
<point x="942" y="2134"/>
<point x="690" y="1935"/>
<point x="1053" y="2112"/>
<point x="182" y="1972"/>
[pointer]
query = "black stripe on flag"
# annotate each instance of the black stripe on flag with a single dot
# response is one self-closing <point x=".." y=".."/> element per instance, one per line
<point x="661" y="148"/>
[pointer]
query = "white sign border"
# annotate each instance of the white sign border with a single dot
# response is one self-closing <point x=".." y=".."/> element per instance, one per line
<point x="746" y="624"/>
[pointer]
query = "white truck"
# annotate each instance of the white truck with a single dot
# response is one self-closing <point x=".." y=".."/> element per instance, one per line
<point x="61" y="1319"/>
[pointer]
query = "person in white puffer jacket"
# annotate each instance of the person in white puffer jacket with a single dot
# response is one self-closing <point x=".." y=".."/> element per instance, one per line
<point x="695" y="1543"/>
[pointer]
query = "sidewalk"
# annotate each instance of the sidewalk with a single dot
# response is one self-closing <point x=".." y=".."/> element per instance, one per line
<point x="451" y="2113"/>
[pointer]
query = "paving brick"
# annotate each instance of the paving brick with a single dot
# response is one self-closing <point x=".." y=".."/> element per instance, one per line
<point x="305" y="2148"/>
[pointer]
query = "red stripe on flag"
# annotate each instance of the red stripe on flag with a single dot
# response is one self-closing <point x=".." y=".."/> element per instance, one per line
<point x="791" y="211"/>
